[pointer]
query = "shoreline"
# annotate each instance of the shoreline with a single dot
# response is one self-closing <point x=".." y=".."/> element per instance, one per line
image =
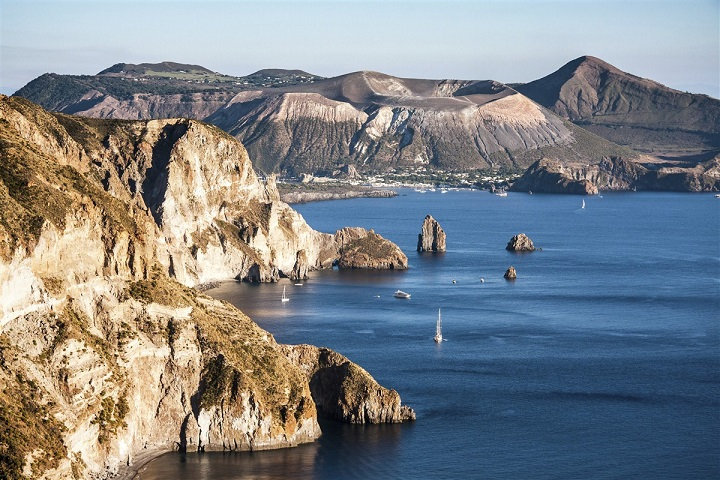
<point x="140" y="461"/>
<point x="300" y="196"/>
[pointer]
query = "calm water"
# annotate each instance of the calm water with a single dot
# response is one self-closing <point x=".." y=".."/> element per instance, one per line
<point x="601" y="361"/>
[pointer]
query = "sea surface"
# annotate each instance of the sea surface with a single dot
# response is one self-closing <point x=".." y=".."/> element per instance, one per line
<point x="602" y="360"/>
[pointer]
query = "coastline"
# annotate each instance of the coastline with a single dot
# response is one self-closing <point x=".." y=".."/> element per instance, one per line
<point x="140" y="461"/>
<point x="336" y="193"/>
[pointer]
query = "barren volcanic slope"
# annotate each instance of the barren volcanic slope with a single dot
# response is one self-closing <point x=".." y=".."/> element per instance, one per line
<point x="295" y="122"/>
<point x="149" y="90"/>
<point x="375" y="121"/>
<point x="629" y="110"/>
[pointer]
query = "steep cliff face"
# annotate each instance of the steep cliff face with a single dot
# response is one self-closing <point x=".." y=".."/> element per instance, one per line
<point x="103" y="356"/>
<point x="188" y="185"/>
<point x="549" y="176"/>
<point x="117" y="375"/>
<point x="343" y="390"/>
<point x="619" y="174"/>
<point x="431" y="237"/>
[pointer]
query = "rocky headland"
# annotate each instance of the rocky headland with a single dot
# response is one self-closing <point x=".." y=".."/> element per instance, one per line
<point x="431" y="237"/>
<point x="302" y="193"/>
<point x="618" y="174"/>
<point x="364" y="249"/>
<point x="344" y="391"/>
<point x="106" y="352"/>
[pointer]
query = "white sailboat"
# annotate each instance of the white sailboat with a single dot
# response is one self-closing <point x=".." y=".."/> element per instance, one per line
<point x="438" y="329"/>
<point x="284" y="297"/>
<point x="583" y="204"/>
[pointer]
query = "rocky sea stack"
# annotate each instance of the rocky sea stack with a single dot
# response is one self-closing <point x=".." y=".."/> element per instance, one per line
<point x="106" y="352"/>
<point x="431" y="237"/>
<point x="520" y="243"/>
<point x="510" y="273"/>
<point x="362" y="249"/>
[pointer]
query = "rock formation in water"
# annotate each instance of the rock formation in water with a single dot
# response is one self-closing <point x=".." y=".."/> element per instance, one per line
<point x="343" y="390"/>
<point x="520" y="243"/>
<point x="431" y="237"/>
<point x="105" y="353"/>
<point x="364" y="249"/>
<point x="510" y="273"/>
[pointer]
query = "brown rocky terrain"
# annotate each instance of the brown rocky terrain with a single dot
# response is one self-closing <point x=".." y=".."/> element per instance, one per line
<point x="376" y="121"/>
<point x="293" y="122"/>
<point x="106" y="354"/>
<point x="343" y="390"/>
<point x="629" y="110"/>
<point x="617" y="174"/>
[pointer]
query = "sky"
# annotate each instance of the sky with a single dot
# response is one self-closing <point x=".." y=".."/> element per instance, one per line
<point x="676" y="43"/>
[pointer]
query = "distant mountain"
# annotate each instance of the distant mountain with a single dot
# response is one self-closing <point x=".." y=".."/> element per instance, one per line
<point x="149" y="68"/>
<point x="294" y="122"/>
<point x="377" y="121"/>
<point x="629" y="110"/>
<point x="150" y="90"/>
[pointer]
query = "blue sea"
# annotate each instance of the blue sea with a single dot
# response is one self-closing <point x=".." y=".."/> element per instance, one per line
<point x="602" y="360"/>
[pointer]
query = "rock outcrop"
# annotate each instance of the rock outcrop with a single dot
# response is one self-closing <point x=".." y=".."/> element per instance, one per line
<point x="343" y="390"/>
<point x="618" y="174"/>
<point x="105" y="353"/>
<point x="297" y="194"/>
<point x="362" y="249"/>
<point x="548" y="176"/>
<point x="520" y="243"/>
<point x="431" y="237"/>
<point x="510" y="273"/>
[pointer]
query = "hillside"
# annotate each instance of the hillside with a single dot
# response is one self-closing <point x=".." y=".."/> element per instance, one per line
<point x="292" y="122"/>
<point x="107" y="356"/>
<point x="629" y="110"/>
<point x="147" y="90"/>
<point x="376" y="121"/>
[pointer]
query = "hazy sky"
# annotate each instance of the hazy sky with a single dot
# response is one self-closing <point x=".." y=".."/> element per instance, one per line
<point x="673" y="42"/>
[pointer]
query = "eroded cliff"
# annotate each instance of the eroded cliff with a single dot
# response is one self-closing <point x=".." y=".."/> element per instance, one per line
<point x="106" y="354"/>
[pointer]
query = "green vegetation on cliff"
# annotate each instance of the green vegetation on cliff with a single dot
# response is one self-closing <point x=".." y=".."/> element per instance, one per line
<point x="27" y="427"/>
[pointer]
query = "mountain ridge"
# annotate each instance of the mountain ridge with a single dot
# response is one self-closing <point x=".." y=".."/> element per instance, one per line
<point x="628" y="109"/>
<point x="377" y="122"/>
